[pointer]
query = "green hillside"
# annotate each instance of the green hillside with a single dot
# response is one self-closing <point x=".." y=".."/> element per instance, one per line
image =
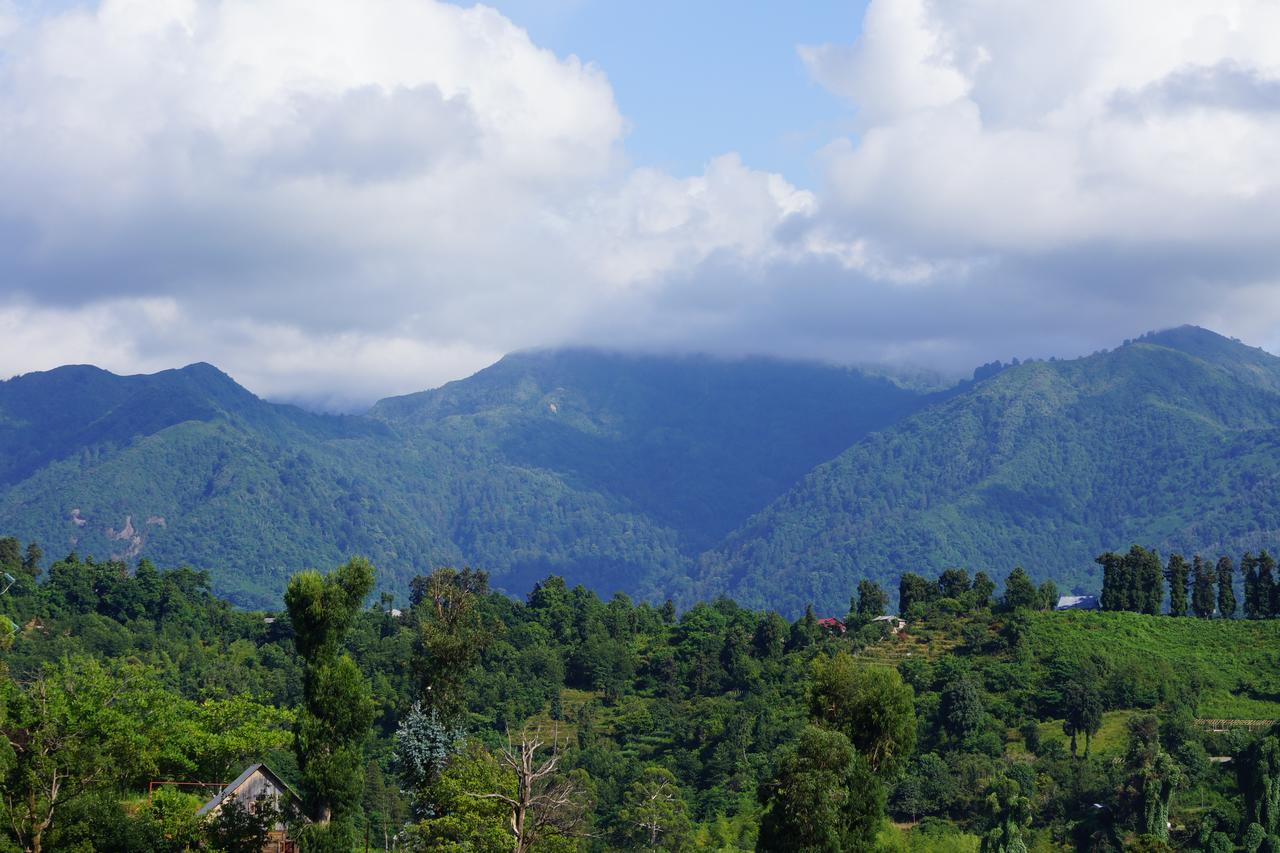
<point x="1235" y="664"/>
<point x="661" y="476"/>
<point x="1170" y="440"/>
<point x="614" y="471"/>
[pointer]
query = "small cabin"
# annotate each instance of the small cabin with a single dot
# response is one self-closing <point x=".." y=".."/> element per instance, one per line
<point x="259" y="781"/>
<point x="1077" y="602"/>
<point x="895" y="623"/>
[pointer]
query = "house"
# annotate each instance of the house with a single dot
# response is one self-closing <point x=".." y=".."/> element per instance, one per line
<point x="832" y="624"/>
<point x="895" y="623"/>
<point x="1077" y="602"/>
<point x="258" y="780"/>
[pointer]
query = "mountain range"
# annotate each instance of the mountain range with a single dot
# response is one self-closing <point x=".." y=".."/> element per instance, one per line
<point x="781" y="483"/>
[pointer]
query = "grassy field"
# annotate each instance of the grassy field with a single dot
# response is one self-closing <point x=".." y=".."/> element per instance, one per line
<point x="1111" y="739"/>
<point x="907" y="839"/>
<point x="1236" y="661"/>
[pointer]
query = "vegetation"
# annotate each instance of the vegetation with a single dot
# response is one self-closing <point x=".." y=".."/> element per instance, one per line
<point x="609" y="470"/>
<point x="681" y="478"/>
<point x="1168" y="440"/>
<point x="567" y="722"/>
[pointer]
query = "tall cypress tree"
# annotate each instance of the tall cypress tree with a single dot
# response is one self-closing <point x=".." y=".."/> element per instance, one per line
<point x="1266" y="586"/>
<point x="1127" y="583"/>
<point x="337" y="708"/>
<point x="1176" y="575"/>
<point x="1226" y="592"/>
<point x="1145" y="576"/>
<point x="1113" y="596"/>
<point x="1249" y="571"/>
<point x="1202" y="593"/>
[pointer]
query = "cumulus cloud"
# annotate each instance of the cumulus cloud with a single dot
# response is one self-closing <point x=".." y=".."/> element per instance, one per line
<point x="389" y="191"/>
<point x="1109" y="157"/>
<point x="343" y="200"/>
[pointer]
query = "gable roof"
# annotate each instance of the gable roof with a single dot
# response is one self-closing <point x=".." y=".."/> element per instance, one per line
<point x="229" y="791"/>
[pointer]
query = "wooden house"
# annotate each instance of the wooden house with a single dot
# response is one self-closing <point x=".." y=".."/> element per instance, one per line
<point x="258" y="781"/>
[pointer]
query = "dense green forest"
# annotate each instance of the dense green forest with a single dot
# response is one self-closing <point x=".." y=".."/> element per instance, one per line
<point x="610" y="470"/>
<point x="777" y="483"/>
<point x="463" y="719"/>
<point x="1169" y="440"/>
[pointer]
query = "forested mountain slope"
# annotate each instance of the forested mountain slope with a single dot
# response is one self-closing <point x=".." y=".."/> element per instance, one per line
<point x="696" y="444"/>
<point x="1173" y="439"/>
<point x="615" y="471"/>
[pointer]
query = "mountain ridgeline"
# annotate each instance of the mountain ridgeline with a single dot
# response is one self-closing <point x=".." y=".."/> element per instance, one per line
<point x="610" y="470"/>
<point x="781" y="483"/>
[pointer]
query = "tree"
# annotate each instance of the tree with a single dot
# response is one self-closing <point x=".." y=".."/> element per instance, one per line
<point x="1048" y="595"/>
<point x="668" y="612"/>
<point x="870" y="705"/>
<point x="654" y="812"/>
<point x="1267" y="599"/>
<point x="770" y="637"/>
<point x="953" y="583"/>
<point x="1019" y="592"/>
<point x="545" y="802"/>
<point x="1009" y="811"/>
<point x="913" y="590"/>
<point x="804" y="631"/>
<point x="68" y="732"/>
<point x="1142" y="568"/>
<point x="1115" y="582"/>
<point x="824" y="798"/>
<point x="337" y="711"/>
<point x="1253" y="607"/>
<point x="1202" y="594"/>
<point x="450" y="635"/>
<point x="961" y="708"/>
<point x="463" y="821"/>
<point x="983" y="589"/>
<point x="872" y="600"/>
<point x="1176" y="573"/>
<point x="169" y="823"/>
<point x="1153" y="776"/>
<point x="10" y="555"/>
<point x="1226" y="592"/>
<point x="1258" y="775"/>
<point x="385" y="811"/>
<point x="31" y="560"/>
<point x="1083" y="706"/>
<point x="423" y="744"/>
<point x="928" y="787"/>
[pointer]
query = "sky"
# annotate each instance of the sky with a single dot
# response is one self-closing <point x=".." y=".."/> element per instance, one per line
<point x="337" y="202"/>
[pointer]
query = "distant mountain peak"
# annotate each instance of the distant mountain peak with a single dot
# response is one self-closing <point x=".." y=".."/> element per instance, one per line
<point x="1199" y="341"/>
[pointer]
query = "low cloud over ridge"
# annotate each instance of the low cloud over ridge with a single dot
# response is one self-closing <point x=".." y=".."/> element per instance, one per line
<point x="339" y="201"/>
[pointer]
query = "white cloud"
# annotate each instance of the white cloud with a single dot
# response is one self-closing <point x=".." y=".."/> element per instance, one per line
<point x="335" y="201"/>
<point x="1082" y="148"/>
<point x="396" y="180"/>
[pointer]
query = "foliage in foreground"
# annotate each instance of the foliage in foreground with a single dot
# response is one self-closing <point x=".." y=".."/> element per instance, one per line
<point x="475" y="722"/>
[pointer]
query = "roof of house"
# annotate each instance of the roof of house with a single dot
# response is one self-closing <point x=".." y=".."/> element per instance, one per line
<point x="888" y="619"/>
<point x="1077" y="602"/>
<point x="222" y="796"/>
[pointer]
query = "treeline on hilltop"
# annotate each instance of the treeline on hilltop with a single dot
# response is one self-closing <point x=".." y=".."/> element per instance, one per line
<point x="1135" y="581"/>
<point x="465" y="720"/>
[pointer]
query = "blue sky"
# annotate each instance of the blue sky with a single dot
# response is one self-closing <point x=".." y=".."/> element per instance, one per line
<point x="701" y="78"/>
